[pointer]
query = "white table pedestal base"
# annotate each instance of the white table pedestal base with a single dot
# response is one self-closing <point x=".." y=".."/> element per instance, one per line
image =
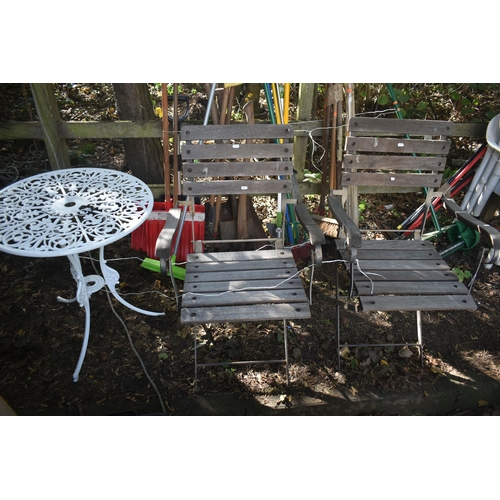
<point x="86" y="286"/>
<point x="69" y="212"/>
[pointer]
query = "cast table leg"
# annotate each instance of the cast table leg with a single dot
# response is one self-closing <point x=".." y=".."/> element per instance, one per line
<point x="86" y="286"/>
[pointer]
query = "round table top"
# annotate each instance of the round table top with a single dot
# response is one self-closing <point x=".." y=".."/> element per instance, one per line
<point x="70" y="211"/>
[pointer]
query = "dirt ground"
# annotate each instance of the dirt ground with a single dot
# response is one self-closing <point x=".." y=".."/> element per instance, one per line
<point x="137" y="364"/>
<point x="40" y="340"/>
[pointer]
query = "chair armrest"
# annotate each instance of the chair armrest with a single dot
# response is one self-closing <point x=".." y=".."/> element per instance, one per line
<point x="487" y="231"/>
<point x="164" y="242"/>
<point x="352" y="231"/>
<point x="316" y="236"/>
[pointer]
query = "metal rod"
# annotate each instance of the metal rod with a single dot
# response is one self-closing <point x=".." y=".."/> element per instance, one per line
<point x="229" y="363"/>
<point x="209" y="105"/>
<point x="337" y="306"/>
<point x="285" y="331"/>
<point x="195" y="362"/>
<point x="410" y="344"/>
<point x="419" y="334"/>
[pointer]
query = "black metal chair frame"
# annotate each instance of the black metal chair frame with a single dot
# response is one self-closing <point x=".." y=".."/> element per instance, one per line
<point x="400" y="274"/>
<point x="241" y="285"/>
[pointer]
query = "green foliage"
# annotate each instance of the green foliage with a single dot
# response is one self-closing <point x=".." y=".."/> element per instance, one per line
<point x="462" y="273"/>
<point x="465" y="102"/>
<point x="363" y="205"/>
<point x="311" y="176"/>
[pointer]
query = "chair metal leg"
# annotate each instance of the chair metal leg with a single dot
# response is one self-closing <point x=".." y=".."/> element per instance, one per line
<point x="285" y="337"/>
<point x="195" y="361"/>
<point x="419" y="334"/>
<point x="337" y="307"/>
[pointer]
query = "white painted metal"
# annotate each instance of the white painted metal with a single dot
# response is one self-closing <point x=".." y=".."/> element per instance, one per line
<point x="71" y="211"/>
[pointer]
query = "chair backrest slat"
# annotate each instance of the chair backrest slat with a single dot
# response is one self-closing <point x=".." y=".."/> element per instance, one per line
<point x="228" y="187"/>
<point x="240" y="168"/>
<point x="235" y="132"/>
<point x="396" y="145"/>
<point x="373" y="162"/>
<point x="394" y="152"/>
<point x="234" y="151"/>
<point x="391" y="179"/>
<point x="236" y="159"/>
<point x="359" y="124"/>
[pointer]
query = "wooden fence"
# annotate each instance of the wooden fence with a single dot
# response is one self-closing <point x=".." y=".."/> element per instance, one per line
<point x="54" y="131"/>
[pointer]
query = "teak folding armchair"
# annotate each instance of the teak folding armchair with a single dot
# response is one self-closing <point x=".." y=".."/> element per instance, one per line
<point x="394" y="274"/>
<point x="245" y="285"/>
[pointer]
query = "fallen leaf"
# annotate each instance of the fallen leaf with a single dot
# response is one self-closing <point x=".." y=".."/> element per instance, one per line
<point x="405" y="352"/>
<point x="482" y="402"/>
<point x="435" y="369"/>
<point x="345" y="353"/>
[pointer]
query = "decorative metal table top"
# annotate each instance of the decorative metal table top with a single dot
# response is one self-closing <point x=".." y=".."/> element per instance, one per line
<point x="71" y="211"/>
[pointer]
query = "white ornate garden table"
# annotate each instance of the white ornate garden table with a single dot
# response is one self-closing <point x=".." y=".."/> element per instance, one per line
<point x="69" y="212"/>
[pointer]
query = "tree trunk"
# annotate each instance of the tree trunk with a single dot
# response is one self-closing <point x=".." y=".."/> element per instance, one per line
<point x="144" y="157"/>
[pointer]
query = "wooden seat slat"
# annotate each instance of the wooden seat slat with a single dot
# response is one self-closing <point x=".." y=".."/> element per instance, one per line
<point x="274" y="296"/>
<point x="236" y="274"/>
<point x="411" y="288"/>
<point x="410" y="275"/>
<point x="241" y="314"/>
<point x="239" y="284"/>
<point x="418" y="303"/>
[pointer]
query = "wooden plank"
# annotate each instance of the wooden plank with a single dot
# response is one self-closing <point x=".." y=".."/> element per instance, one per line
<point x="391" y="179"/>
<point x="267" y="255"/>
<point x="385" y="162"/>
<point x="48" y="113"/>
<point x="236" y="132"/>
<point x="238" y="265"/>
<point x="119" y="129"/>
<point x="20" y="130"/>
<point x="234" y="151"/>
<point x="402" y="265"/>
<point x="239" y="284"/>
<point x="221" y="169"/>
<point x="391" y="244"/>
<point x="375" y="254"/>
<point x="411" y="276"/>
<point x="241" y="314"/>
<point x="411" y="288"/>
<point x="250" y="275"/>
<point x="304" y="114"/>
<point x="395" y="125"/>
<point x="418" y="303"/>
<point x="469" y="129"/>
<point x="227" y="187"/>
<point x="395" y="145"/>
<point x="113" y="129"/>
<point x="275" y="296"/>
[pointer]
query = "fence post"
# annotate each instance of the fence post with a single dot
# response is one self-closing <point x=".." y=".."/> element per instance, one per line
<point x="48" y="115"/>
<point x="304" y="110"/>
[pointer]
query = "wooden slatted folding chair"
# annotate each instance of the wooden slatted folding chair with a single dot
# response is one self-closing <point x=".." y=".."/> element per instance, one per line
<point x="395" y="274"/>
<point x="245" y="285"/>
